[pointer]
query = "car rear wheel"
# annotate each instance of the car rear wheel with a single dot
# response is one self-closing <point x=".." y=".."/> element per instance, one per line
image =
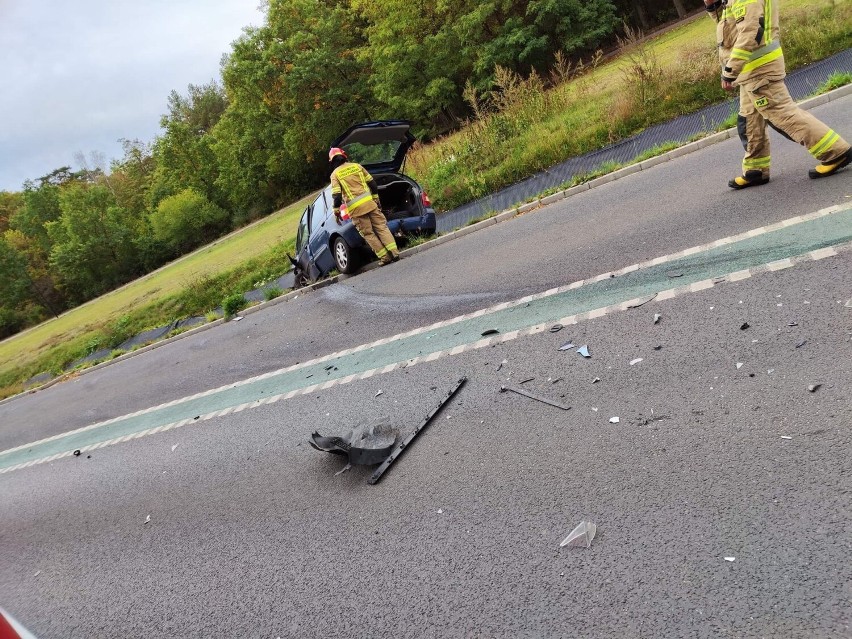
<point x="344" y="256"/>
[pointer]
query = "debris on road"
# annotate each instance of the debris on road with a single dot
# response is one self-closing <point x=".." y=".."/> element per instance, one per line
<point x="581" y="536"/>
<point x="657" y="318"/>
<point x="848" y="304"/>
<point x="500" y="365"/>
<point x="37" y="573"/>
<point x="658" y="348"/>
<point x="614" y="420"/>
<point x="528" y="379"/>
<point x="402" y="446"/>
<point x="792" y="324"/>
<point x="642" y="301"/>
<point x="556" y="328"/>
<point x="147" y="519"/>
<point x="567" y="346"/>
<point x="633" y="362"/>
<point x="440" y="511"/>
<point x="584" y="351"/>
<point x="813" y="388"/>
<point x="786" y="437"/>
<point x="739" y="365"/>
<point x="175" y="446"/>
<point x="674" y="274"/>
<point x="745" y="326"/>
<point x="596" y="380"/>
<point x="379" y="392"/>
<point x="730" y="558"/>
<point x="237" y="318"/>
<point x="537" y="398"/>
<point x="490" y="331"/>
<point x="802" y="343"/>
<point x="77" y="453"/>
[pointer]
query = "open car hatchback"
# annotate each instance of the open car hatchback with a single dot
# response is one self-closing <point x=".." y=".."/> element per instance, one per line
<point x="322" y="245"/>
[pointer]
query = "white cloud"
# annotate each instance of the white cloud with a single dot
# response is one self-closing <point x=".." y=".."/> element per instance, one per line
<point x="77" y="76"/>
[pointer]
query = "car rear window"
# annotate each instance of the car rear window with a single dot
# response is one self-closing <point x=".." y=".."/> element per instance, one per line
<point x="372" y="153"/>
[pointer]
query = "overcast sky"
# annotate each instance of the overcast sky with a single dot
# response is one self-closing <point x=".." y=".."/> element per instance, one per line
<point x="77" y="76"/>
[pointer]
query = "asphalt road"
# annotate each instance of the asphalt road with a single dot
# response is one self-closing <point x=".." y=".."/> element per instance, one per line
<point x="720" y="450"/>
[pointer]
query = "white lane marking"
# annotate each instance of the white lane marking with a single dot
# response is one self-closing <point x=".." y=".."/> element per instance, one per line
<point x="662" y="295"/>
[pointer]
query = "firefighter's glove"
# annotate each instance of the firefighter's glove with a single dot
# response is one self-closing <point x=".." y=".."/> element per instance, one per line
<point x="727" y="82"/>
<point x="337" y="217"/>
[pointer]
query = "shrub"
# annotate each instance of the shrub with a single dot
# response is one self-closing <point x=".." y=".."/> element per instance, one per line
<point x="188" y="220"/>
<point x="233" y="304"/>
<point x="272" y="292"/>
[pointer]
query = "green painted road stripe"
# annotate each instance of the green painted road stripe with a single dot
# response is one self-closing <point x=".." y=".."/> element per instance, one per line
<point x="453" y="336"/>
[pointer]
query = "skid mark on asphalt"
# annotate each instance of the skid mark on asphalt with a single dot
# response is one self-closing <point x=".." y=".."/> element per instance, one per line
<point x="767" y="249"/>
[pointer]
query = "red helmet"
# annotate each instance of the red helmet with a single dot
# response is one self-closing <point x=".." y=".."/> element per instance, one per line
<point x="334" y="151"/>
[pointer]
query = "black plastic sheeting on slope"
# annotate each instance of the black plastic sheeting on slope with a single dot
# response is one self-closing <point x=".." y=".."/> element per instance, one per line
<point x="801" y="83"/>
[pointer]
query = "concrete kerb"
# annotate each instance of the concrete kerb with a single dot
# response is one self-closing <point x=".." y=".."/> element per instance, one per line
<point x="508" y="214"/>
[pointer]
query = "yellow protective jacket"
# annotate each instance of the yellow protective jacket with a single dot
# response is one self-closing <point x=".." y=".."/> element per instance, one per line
<point x="756" y="50"/>
<point x="352" y="184"/>
<point x="726" y="32"/>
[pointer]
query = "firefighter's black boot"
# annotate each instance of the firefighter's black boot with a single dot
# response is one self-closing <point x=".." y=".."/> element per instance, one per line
<point x="830" y="168"/>
<point x="751" y="178"/>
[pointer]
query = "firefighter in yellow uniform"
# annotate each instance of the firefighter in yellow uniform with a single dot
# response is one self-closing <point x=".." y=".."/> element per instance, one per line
<point x="352" y="184"/>
<point x="755" y="63"/>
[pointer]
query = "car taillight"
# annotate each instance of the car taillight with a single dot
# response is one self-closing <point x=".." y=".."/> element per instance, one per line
<point x="425" y="199"/>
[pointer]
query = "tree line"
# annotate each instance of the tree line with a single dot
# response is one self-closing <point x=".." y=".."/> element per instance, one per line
<point x="237" y="148"/>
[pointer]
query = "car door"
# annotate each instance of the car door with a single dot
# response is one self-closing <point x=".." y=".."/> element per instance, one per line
<point x="319" y="233"/>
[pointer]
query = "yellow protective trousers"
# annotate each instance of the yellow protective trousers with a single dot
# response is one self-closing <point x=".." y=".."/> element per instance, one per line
<point x="768" y="100"/>
<point x="373" y="227"/>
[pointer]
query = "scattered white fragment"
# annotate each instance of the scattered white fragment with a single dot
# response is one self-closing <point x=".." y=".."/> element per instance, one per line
<point x="581" y="536"/>
<point x="730" y="558"/>
<point x="786" y="437"/>
<point x="596" y="380"/>
<point x="848" y="304"/>
<point x="770" y="371"/>
<point x="779" y="304"/>
<point x="712" y="307"/>
<point x="175" y="446"/>
<point x="37" y="573"/>
<point x="238" y="318"/>
<point x="635" y="361"/>
<point x="380" y="392"/>
<point x="739" y="365"/>
<point x="813" y="388"/>
<point x="594" y="410"/>
<point x="147" y="519"/>
<point x="440" y="511"/>
<point x="584" y="351"/>
<point x="657" y="318"/>
<point x="614" y="420"/>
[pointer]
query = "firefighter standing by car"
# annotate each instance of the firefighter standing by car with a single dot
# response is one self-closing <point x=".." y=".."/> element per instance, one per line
<point x="748" y="38"/>
<point x="353" y="185"/>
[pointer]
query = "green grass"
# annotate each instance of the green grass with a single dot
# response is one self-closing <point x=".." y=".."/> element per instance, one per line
<point x="835" y="81"/>
<point x="529" y="126"/>
<point x="192" y="285"/>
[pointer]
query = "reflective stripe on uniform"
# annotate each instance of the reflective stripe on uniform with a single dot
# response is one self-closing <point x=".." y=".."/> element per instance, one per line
<point x="825" y="144"/>
<point x="763" y="55"/>
<point x="756" y="163"/>
<point x="354" y="204"/>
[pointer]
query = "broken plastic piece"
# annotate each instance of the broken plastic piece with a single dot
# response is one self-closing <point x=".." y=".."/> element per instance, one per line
<point x="147" y="519"/>
<point x="528" y="379"/>
<point x="786" y="437"/>
<point x="175" y="446"/>
<point x="802" y="343"/>
<point x="490" y="331"/>
<point x="730" y="558"/>
<point x="567" y="346"/>
<point x="581" y="536"/>
<point x="584" y="351"/>
<point x="813" y="388"/>
<point x="739" y="365"/>
<point x="596" y="380"/>
<point x="380" y="392"/>
<point x="745" y="326"/>
<point x="792" y="324"/>
<point x="658" y="348"/>
<point x="657" y="318"/>
<point x="674" y="274"/>
<point x="614" y="420"/>
<point x="237" y="318"/>
<point x="848" y="304"/>
<point x="635" y="361"/>
<point x="556" y="328"/>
